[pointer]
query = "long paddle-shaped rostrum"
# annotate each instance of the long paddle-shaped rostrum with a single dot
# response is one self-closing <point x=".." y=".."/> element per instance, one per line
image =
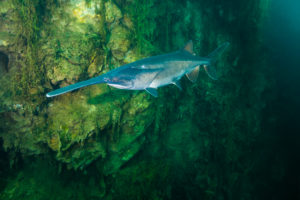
<point x="154" y="72"/>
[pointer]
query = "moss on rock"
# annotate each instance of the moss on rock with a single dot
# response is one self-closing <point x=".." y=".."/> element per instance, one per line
<point x="119" y="42"/>
<point x="112" y="12"/>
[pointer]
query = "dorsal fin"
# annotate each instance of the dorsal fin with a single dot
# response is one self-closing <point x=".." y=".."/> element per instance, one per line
<point x="189" y="47"/>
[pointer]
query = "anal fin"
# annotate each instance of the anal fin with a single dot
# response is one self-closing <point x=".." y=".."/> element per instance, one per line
<point x="211" y="71"/>
<point x="152" y="91"/>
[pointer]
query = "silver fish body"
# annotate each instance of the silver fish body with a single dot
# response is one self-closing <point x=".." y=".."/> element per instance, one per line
<point x="154" y="72"/>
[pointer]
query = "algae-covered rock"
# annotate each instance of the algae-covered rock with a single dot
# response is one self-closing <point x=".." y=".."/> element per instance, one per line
<point x="72" y="121"/>
<point x="78" y="122"/>
<point x="54" y="142"/>
<point x="83" y="11"/>
<point x="64" y="71"/>
<point x="97" y="65"/>
<point x="70" y="41"/>
<point x="70" y="45"/>
<point x="131" y="56"/>
<point x="75" y="119"/>
<point x="119" y="42"/>
<point x="8" y="28"/>
<point x="135" y="122"/>
<point x="112" y="12"/>
<point x="20" y="135"/>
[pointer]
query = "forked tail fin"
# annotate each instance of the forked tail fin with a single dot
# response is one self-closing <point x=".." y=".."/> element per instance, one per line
<point x="75" y="86"/>
<point x="210" y="69"/>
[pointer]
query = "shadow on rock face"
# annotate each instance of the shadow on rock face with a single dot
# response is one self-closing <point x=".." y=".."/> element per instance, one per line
<point x="110" y="96"/>
<point x="3" y="63"/>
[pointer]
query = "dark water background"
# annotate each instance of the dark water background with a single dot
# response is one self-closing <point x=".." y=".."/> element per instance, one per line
<point x="275" y="153"/>
<point x="283" y="40"/>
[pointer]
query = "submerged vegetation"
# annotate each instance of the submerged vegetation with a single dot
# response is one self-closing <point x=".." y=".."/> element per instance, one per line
<point x="29" y="17"/>
<point x="104" y="143"/>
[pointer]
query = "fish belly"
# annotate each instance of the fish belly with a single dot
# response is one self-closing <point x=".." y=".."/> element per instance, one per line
<point x="164" y="80"/>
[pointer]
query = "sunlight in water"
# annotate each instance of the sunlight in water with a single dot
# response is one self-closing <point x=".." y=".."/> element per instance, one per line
<point x="84" y="12"/>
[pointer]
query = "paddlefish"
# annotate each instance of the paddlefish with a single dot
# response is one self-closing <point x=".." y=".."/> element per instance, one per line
<point x="153" y="72"/>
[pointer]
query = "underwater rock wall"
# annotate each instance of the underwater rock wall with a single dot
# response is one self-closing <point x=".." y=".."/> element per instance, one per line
<point x="154" y="148"/>
<point x="71" y="41"/>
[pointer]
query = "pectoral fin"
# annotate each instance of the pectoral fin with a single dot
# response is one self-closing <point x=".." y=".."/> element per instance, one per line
<point x="193" y="75"/>
<point x="152" y="91"/>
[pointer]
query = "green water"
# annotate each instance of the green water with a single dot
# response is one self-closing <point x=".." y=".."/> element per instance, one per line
<point x="231" y="138"/>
